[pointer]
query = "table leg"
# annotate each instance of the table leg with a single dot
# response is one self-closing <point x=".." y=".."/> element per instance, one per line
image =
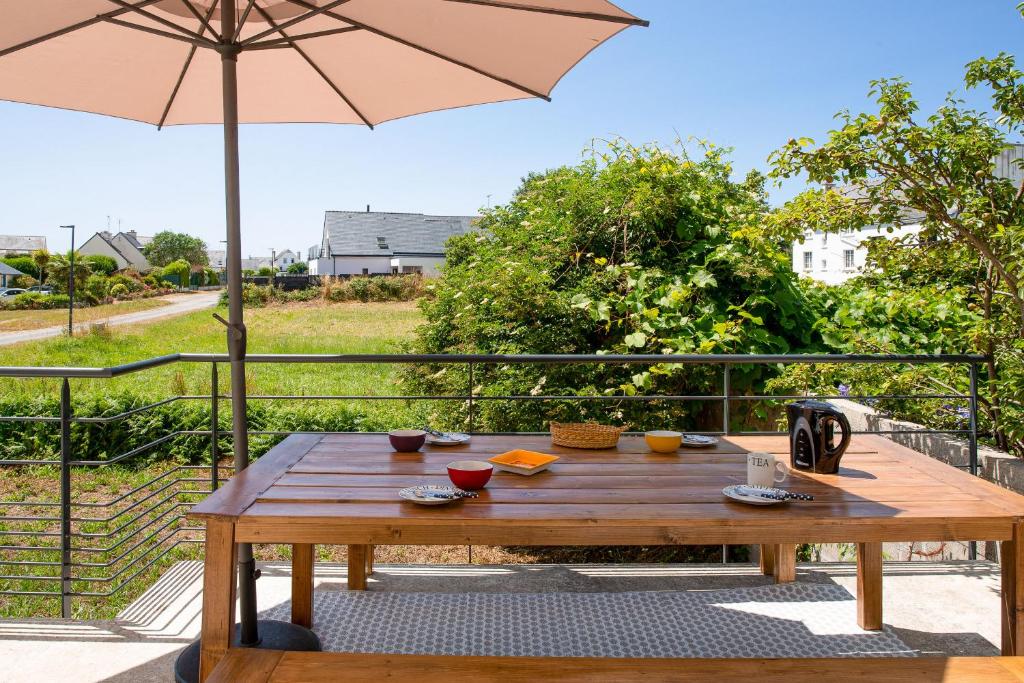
<point x="1012" y="614"/>
<point x="785" y="563"/>
<point x="218" y="595"/>
<point x="768" y="559"/>
<point x="357" y="567"/>
<point x="302" y="584"/>
<point x="869" y="586"/>
<point x="369" y="560"/>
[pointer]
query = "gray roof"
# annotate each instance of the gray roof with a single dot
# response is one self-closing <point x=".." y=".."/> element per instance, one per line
<point x="356" y="233"/>
<point x="21" y="243"/>
<point x="8" y="270"/>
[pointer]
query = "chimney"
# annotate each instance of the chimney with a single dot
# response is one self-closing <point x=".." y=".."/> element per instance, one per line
<point x="133" y="233"/>
<point x="367" y="208"/>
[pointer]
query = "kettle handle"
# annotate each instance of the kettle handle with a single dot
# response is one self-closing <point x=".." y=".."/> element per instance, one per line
<point x="845" y="441"/>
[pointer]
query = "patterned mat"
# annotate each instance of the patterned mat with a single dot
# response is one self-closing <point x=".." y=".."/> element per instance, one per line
<point x="789" y="620"/>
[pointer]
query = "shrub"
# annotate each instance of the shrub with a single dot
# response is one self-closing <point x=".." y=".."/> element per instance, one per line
<point x="131" y="284"/>
<point x="97" y="287"/>
<point x="119" y="290"/>
<point x="298" y="268"/>
<point x="104" y="265"/>
<point x="35" y="301"/>
<point x="178" y="272"/>
<point x="265" y="271"/>
<point x="23" y="263"/>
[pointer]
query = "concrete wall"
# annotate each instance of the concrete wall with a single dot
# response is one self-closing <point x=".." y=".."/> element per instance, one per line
<point x="429" y="264"/>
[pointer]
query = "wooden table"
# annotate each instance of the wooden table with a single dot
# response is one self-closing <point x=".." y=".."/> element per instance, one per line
<point x="341" y="489"/>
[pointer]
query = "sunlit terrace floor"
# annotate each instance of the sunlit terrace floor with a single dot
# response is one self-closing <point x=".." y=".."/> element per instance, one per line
<point x="610" y="610"/>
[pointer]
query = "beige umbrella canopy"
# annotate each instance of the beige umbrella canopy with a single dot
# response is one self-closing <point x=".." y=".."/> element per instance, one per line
<point x="169" y="62"/>
<point x="336" y="61"/>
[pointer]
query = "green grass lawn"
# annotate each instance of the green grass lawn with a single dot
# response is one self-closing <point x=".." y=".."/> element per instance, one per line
<point x="12" y="321"/>
<point x="298" y="329"/>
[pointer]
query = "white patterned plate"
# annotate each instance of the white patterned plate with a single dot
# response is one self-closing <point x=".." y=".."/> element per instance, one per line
<point x="733" y="492"/>
<point x="448" y="439"/>
<point x="698" y="441"/>
<point x="421" y="494"/>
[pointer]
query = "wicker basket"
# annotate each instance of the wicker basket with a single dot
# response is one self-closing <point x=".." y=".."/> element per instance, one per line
<point x="585" y="435"/>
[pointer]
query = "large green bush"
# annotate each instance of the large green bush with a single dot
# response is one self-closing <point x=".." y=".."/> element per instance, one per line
<point x="35" y="301"/>
<point x="25" y="264"/>
<point x="635" y="250"/>
<point x="104" y="265"/>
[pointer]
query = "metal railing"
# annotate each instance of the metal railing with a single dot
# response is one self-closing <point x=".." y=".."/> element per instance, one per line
<point x="142" y="526"/>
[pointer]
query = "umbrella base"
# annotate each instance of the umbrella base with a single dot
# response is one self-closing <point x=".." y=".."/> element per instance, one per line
<point x="274" y="635"/>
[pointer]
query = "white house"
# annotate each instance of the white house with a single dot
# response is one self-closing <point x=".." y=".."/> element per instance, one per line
<point x="124" y="247"/>
<point x="376" y="243"/>
<point x="836" y="257"/>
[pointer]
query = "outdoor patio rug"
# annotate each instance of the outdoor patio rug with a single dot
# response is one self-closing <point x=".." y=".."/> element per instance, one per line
<point x="790" y="620"/>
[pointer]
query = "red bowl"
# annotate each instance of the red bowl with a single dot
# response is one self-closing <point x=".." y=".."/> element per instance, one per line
<point x="407" y="440"/>
<point x="470" y="474"/>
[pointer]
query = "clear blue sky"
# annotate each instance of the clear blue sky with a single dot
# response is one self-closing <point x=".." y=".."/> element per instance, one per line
<point x="744" y="73"/>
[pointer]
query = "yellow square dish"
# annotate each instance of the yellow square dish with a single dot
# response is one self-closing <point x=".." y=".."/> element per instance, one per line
<point x="523" y="462"/>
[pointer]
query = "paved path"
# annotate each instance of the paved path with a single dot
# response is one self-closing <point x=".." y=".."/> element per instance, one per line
<point x="178" y="304"/>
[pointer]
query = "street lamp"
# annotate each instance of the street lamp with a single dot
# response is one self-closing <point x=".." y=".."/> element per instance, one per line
<point x="71" y="283"/>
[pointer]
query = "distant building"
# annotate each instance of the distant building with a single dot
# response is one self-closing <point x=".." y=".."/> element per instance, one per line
<point x="124" y="247"/>
<point x="7" y="271"/>
<point x="374" y="242"/>
<point x="286" y="258"/>
<point x="20" y="245"/>
<point x="217" y="259"/>
<point x="836" y="257"/>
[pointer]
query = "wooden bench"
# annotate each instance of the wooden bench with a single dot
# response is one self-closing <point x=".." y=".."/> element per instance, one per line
<point x="272" y="666"/>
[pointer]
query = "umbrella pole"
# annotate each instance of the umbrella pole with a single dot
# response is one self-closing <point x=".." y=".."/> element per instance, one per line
<point x="249" y="631"/>
<point x="269" y="634"/>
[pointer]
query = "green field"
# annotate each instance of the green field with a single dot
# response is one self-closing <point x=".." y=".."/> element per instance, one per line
<point x="297" y="329"/>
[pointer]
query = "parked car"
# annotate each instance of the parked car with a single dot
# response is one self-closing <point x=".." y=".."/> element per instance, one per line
<point x="41" y="289"/>
<point x="10" y="292"/>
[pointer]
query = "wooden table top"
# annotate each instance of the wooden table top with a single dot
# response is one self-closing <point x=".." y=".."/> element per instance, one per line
<point x="342" y="488"/>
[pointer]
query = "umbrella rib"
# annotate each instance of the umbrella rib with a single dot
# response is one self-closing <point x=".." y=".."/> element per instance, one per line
<point x="205" y="21"/>
<point x="72" y="28"/>
<point x="284" y="42"/>
<point x="427" y="50"/>
<point x="202" y="42"/>
<point x="275" y="28"/>
<point x="242" y="19"/>
<point x="157" y="19"/>
<point x="184" y="69"/>
<point x="312" y="64"/>
<point x="594" y="16"/>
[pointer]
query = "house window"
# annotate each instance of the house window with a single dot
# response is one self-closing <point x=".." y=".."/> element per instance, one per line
<point x="848" y="259"/>
<point x="366" y="271"/>
<point x="808" y="260"/>
<point x="382" y="243"/>
<point x="824" y="264"/>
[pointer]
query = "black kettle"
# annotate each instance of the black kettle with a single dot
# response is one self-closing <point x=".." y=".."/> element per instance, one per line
<point x="811" y="433"/>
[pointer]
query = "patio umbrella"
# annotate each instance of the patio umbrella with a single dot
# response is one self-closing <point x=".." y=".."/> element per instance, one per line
<point x="170" y="62"/>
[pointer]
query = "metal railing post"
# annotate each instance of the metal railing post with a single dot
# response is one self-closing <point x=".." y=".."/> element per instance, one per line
<point x="214" y="447"/>
<point x="471" y="421"/>
<point x="65" y="499"/>
<point x="972" y="441"/>
<point x="726" y="390"/>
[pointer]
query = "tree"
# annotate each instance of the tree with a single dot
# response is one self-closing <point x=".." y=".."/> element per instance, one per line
<point x="639" y="249"/>
<point x="265" y="271"/>
<point x="168" y="246"/>
<point x="60" y="268"/>
<point x="890" y="163"/>
<point x="298" y="268"/>
<point x="179" y="271"/>
<point x="41" y="257"/>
